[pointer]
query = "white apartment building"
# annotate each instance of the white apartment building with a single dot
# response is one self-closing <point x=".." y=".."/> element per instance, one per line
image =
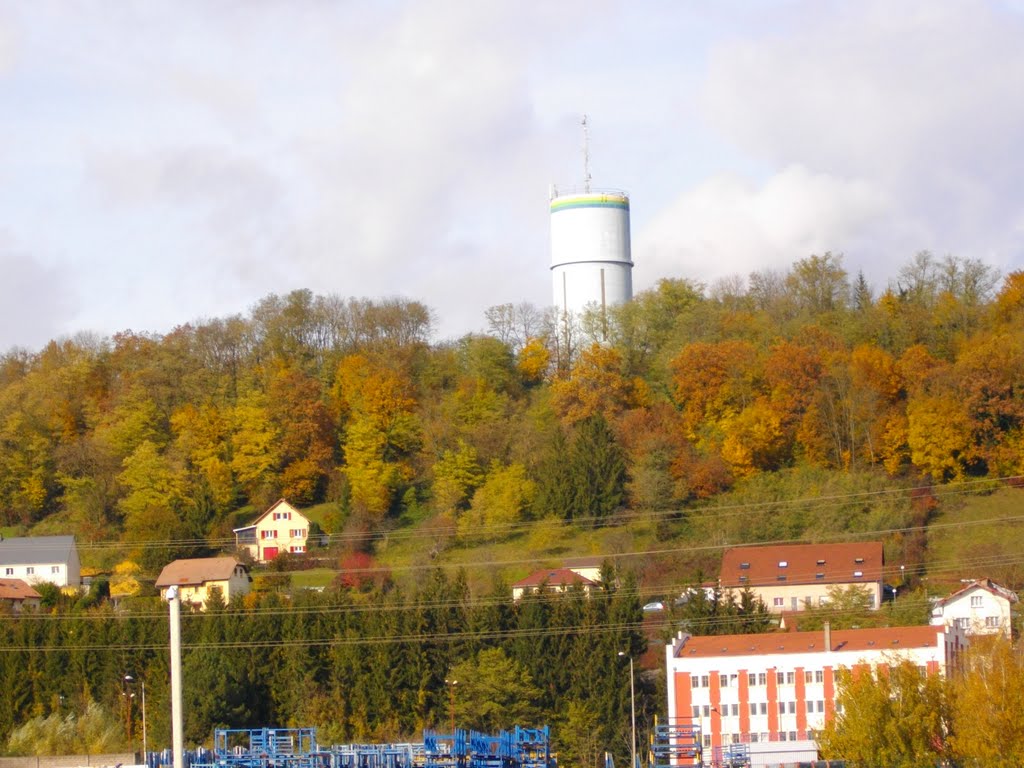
<point x="773" y="692"/>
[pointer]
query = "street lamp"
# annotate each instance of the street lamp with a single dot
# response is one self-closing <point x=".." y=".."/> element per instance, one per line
<point x="451" y="704"/>
<point x="632" y="710"/>
<point x="126" y="683"/>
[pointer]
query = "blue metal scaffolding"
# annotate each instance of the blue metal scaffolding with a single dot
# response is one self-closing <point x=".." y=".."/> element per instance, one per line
<point x="676" y="744"/>
<point x="298" y="748"/>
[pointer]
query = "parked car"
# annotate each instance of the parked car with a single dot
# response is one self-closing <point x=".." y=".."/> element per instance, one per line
<point x="657" y="605"/>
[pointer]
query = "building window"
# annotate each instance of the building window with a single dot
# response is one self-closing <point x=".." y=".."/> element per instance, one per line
<point x="821" y="705"/>
<point x="753" y="738"/>
<point x="781" y="577"/>
<point x="790" y="678"/>
<point x="821" y="561"/>
<point x="30" y="570"/>
<point x="744" y="566"/>
<point x="707" y="740"/>
<point x="976" y="601"/>
<point x="704" y="681"/>
<point x="298" y="549"/>
<point x="268" y="534"/>
<point x="297" y="533"/>
<point x="723" y="681"/>
<point x="858" y="560"/>
<point x="735" y="710"/>
<point x="696" y="712"/>
<point x="819" y="676"/>
<point x="783" y="564"/>
<point x="819" y="575"/>
<point x="791" y="706"/>
<point x="695" y="682"/>
<point x="782" y="707"/>
<point x="762" y="678"/>
<point x="753" y="709"/>
<point x="782" y="735"/>
<point x="963" y="622"/>
<point x="763" y="706"/>
<point x="9" y="572"/>
<point x="780" y="678"/>
<point x="792" y="735"/>
<point x="858" y="574"/>
<point x="810" y="707"/>
<point x="706" y="710"/>
<point x="751" y="678"/>
<point x="282" y="515"/>
<point x="778" y="602"/>
<point x="992" y="621"/>
<point x="808" y="676"/>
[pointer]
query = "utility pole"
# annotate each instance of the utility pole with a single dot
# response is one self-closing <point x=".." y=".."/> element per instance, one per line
<point x="632" y="711"/>
<point x="451" y="704"/>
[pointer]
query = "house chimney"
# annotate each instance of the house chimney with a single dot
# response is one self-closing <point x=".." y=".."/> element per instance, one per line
<point x="828" y="636"/>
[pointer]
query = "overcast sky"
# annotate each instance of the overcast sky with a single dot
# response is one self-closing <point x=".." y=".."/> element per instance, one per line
<point x="163" y="162"/>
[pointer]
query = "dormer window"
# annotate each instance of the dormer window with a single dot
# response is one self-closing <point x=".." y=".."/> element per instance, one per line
<point x="819" y="575"/>
<point x="744" y="566"/>
<point x="743" y="578"/>
<point x="783" y="563"/>
<point x="858" y="560"/>
<point x="858" y="574"/>
<point x="781" y="577"/>
<point x="821" y="562"/>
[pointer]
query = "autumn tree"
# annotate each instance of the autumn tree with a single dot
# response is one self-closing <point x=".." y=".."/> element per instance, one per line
<point x="892" y="716"/>
<point x="987" y="697"/>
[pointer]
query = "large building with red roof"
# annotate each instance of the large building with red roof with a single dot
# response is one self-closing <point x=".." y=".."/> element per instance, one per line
<point x="791" y="577"/>
<point x="773" y="692"/>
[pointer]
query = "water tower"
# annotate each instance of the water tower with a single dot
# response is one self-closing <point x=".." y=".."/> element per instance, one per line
<point x="591" y="265"/>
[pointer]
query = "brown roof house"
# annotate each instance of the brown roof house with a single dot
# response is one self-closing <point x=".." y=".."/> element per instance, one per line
<point x="196" y="578"/>
<point x="586" y="574"/>
<point x="791" y="577"/>
<point x="17" y="594"/>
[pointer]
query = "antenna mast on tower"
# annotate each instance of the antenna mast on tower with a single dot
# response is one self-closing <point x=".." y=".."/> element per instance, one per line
<point x="586" y="156"/>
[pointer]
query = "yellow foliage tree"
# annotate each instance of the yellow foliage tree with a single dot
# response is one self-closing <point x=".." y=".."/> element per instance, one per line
<point x="987" y="701"/>
<point x="753" y="439"/>
<point x="939" y="434"/>
<point x="596" y="385"/>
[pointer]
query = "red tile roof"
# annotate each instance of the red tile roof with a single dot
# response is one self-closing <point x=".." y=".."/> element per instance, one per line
<point x="16" y="589"/>
<point x="802" y="564"/>
<point x="197" y="571"/>
<point x="863" y="640"/>
<point x="554" y="577"/>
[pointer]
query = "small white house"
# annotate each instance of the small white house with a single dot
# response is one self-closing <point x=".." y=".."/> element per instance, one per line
<point x="35" y="559"/>
<point x="981" y="607"/>
<point x="281" y="529"/>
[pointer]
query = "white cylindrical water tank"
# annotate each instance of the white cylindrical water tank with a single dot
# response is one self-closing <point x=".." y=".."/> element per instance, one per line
<point x="591" y="264"/>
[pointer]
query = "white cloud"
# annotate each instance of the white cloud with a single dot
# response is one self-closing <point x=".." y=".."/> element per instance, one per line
<point x="728" y="225"/>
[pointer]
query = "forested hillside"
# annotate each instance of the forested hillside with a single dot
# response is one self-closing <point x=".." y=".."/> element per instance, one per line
<point x="790" y="406"/>
<point x="159" y="438"/>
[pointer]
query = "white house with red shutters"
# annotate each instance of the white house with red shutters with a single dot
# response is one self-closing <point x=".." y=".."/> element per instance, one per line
<point x="773" y="692"/>
<point x="282" y="528"/>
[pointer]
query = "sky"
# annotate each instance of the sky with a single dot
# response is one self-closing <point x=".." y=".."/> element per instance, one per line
<point x="169" y="161"/>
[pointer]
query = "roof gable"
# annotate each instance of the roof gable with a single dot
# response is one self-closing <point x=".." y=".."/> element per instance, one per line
<point x="984" y="585"/>
<point x="197" y="571"/>
<point x="779" y="564"/>
<point x="281" y="505"/>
